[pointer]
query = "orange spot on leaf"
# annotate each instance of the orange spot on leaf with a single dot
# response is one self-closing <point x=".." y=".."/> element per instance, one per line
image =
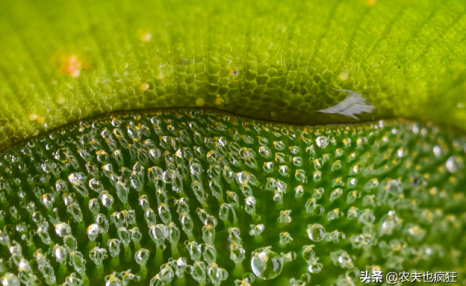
<point x="72" y="66"/>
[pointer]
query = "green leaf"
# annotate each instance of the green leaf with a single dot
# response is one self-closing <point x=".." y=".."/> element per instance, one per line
<point x="275" y="60"/>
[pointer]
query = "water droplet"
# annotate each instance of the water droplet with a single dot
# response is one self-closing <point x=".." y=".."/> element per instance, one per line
<point x="335" y="194"/>
<point x="316" y="232"/>
<point x="62" y="229"/>
<point x="237" y="252"/>
<point x="112" y="280"/>
<point x="98" y="255"/>
<point x="9" y="279"/>
<point x="106" y="199"/>
<point x="94" y="206"/>
<point x="334" y="214"/>
<point x="299" y="191"/>
<point x="256" y="229"/>
<point x="265" y="152"/>
<point x="78" y="262"/>
<point x="366" y="216"/>
<point x="322" y="141"/>
<point x="341" y="258"/>
<point x="317" y="176"/>
<point x="315" y="267"/>
<point x="93" y="231"/>
<point x="141" y="256"/>
<point x="266" y="264"/>
<point x="114" y="246"/>
<point x="95" y="185"/>
<point x="285" y="238"/>
<point x="308" y="254"/>
<point x="454" y="163"/>
<point x="216" y="274"/>
<point x="197" y="271"/>
<point x="284" y="217"/>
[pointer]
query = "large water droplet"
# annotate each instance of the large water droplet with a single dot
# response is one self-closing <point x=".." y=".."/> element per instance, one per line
<point x="9" y="279"/>
<point x="316" y="232"/>
<point x="266" y="264"/>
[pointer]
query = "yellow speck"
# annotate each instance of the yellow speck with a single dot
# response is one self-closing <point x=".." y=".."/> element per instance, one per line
<point x="200" y="102"/>
<point x="218" y="101"/>
<point x="160" y="76"/>
<point x="146" y="37"/>
<point x="41" y="119"/>
<point x="60" y="100"/>
<point x="344" y="75"/>
<point x="32" y="117"/>
<point x="144" y="86"/>
<point x="72" y="66"/>
<point x="370" y="2"/>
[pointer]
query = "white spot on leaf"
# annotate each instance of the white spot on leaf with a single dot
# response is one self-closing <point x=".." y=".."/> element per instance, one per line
<point x="352" y="105"/>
